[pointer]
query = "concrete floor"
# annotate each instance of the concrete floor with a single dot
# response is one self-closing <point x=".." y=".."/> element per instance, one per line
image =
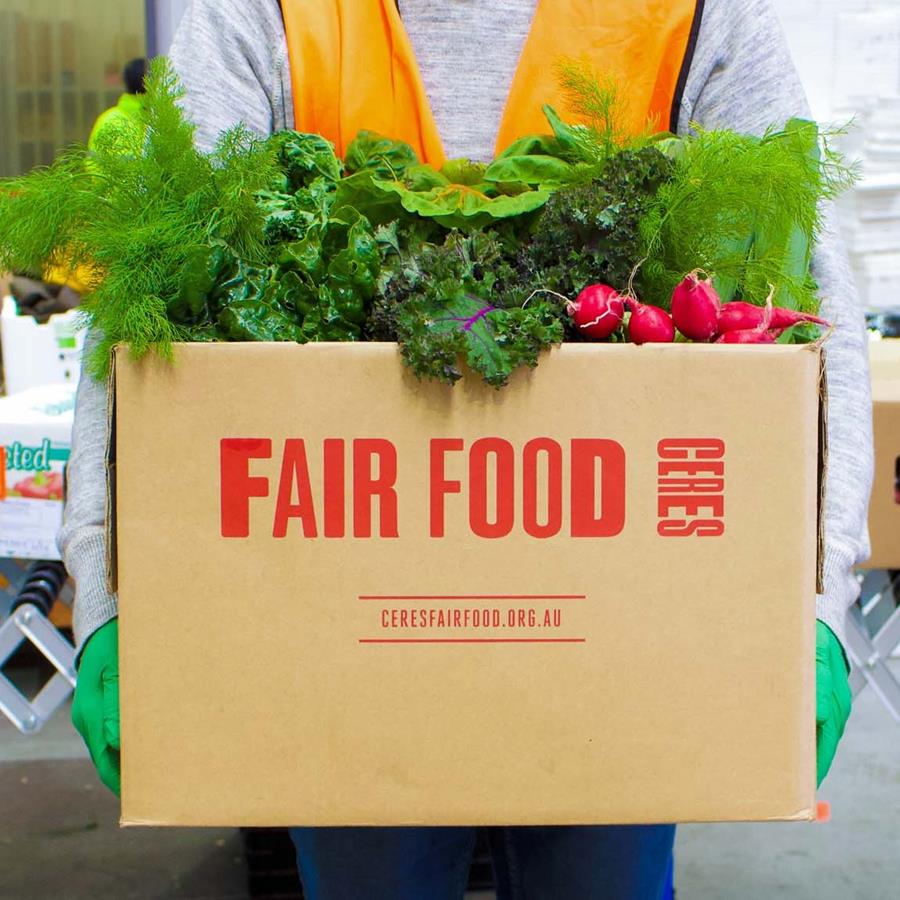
<point x="855" y="856"/>
<point x="59" y="839"/>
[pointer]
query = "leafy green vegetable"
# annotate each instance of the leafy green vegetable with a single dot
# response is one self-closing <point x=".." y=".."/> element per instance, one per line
<point x="531" y="169"/>
<point x="447" y="303"/>
<point x="250" y="311"/>
<point x="304" y="158"/>
<point x="379" y="156"/>
<point x="431" y="195"/>
<point x="460" y="206"/>
<point x="279" y="240"/>
<point x="588" y="233"/>
<point x="729" y="192"/>
<point x="437" y="330"/>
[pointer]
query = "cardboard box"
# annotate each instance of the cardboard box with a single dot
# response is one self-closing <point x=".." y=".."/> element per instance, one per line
<point x="884" y="508"/>
<point x="35" y="437"/>
<point x="414" y="635"/>
<point x="37" y="354"/>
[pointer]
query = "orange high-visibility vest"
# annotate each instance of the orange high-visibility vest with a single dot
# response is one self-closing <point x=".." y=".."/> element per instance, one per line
<point x="353" y="67"/>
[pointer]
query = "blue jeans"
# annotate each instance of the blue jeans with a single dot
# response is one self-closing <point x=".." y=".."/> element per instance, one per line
<point x="561" y="863"/>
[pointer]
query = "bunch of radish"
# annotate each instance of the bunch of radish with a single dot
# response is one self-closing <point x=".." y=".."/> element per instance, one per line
<point x="697" y="312"/>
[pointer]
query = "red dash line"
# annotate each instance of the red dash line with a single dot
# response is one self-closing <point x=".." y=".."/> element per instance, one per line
<point x="416" y="597"/>
<point x="473" y="640"/>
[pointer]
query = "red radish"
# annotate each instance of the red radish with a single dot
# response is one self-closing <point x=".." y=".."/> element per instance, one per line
<point x="785" y="318"/>
<point x="737" y="316"/>
<point x="649" y="324"/>
<point x="760" y="334"/>
<point x="746" y="336"/>
<point x="695" y="307"/>
<point x="598" y="311"/>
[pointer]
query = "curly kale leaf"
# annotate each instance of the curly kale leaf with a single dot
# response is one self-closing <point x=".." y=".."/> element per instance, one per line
<point x="304" y="158"/>
<point x="440" y="327"/>
<point x="589" y="232"/>
<point x="443" y="306"/>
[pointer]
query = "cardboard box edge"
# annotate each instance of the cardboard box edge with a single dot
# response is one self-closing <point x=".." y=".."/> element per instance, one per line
<point x="822" y="473"/>
<point x="112" y="574"/>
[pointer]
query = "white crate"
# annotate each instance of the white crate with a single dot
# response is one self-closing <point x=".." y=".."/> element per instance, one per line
<point x="35" y="437"/>
<point x="35" y="355"/>
<point x="876" y="197"/>
<point x="866" y="236"/>
<point x="878" y="279"/>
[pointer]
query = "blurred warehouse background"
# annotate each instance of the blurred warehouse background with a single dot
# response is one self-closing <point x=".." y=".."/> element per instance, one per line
<point x="848" y="54"/>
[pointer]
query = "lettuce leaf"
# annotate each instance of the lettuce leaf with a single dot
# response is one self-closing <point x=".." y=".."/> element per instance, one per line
<point x="380" y="156"/>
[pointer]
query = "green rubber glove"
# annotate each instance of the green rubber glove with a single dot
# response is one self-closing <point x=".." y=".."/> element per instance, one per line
<point x="833" y="697"/>
<point x="95" y="710"/>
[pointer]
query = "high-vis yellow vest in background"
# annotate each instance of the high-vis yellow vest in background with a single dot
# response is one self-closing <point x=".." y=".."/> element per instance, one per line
<point x="353" y="66"/>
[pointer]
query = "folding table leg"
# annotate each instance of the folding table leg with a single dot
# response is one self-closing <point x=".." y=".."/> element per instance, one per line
<point x="28" y="623"/>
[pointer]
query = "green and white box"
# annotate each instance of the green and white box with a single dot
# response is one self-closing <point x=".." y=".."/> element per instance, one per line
<point x="35" y="436"/>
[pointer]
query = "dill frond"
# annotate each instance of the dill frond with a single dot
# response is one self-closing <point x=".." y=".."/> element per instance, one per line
<point x="746" y="209"/>
<point x="143" y="221"/>
<point x="597" y="101"/>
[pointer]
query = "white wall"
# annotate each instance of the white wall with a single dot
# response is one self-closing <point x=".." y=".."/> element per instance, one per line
<point x="847" y="51"/>
<point x="848" y="55"/>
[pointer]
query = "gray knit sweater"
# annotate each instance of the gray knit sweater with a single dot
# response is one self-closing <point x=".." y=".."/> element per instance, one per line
<point x="232" y="58"/>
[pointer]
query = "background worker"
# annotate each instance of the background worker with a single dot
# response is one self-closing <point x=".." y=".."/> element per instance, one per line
<point x="245" y="62"/>
<point x="123" y="121"/>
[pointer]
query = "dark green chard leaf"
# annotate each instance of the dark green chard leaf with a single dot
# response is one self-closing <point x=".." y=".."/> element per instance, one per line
<point x="249" y="310"/>
<point x="352" y="274"/>
<point x="252" y="320"/>
<point x="304" y="256"/>
<point x="200" y="276"/>
<point x="280" y="215"/>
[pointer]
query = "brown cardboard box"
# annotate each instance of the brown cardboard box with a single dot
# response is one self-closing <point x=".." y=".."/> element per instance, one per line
<point x="428" y="643"/>
<point x="884" y="508"/>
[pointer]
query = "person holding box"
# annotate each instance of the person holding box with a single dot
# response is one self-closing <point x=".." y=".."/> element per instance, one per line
<point x="456" y="79"/>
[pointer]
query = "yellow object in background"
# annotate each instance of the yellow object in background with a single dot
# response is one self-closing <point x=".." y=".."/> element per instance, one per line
<point x="80" y="279"/>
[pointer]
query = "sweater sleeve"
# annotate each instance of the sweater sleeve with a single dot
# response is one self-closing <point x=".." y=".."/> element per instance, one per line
<point x="743" y="78"/>
<point x="82" y="539"/>
<point x="231" y="57"/>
